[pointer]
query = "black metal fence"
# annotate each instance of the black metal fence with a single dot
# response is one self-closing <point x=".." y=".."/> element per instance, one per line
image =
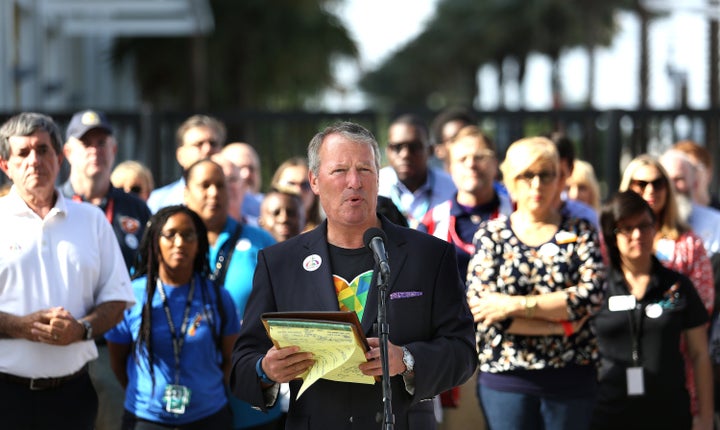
<point x="607" y="139"/>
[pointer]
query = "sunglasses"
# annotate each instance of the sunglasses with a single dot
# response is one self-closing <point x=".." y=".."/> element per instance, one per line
<point x="412" y="146"/>
<point x="304" y="185"/>
<point x="657" y="184"/>
<point x="629" y="229"/>
<point x="545" y="176"/>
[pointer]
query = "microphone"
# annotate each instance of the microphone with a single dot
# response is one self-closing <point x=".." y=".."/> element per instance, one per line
<point x="374" y="238"/>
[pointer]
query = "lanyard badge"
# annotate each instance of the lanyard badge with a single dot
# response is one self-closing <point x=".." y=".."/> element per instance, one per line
<point x="176" y="398"/>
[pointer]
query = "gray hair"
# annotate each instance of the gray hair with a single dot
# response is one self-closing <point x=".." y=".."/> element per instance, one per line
<point x="195" y="121"/>
<point x="26" y="124"/>
<point x="351" y="131"/>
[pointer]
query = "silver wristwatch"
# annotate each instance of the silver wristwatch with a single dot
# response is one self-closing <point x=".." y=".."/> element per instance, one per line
<point x="88" y="329"/>
<point x="409" y="361"/>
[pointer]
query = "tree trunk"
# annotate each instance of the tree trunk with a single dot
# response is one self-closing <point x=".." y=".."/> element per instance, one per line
<point x="555" y="85"/>
<point x="640" y="142"/>
<point x="712" y="142"/>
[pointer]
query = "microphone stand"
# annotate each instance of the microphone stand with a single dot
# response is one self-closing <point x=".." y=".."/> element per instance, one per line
<point x="382" y="283"/>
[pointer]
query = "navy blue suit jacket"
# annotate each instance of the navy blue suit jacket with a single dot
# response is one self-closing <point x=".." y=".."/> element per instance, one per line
<point x="427" y="312"/>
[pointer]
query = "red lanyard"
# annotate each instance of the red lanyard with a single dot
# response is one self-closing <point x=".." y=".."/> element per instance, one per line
<point x="457" y="241"/>
<point x="108" y="208"/>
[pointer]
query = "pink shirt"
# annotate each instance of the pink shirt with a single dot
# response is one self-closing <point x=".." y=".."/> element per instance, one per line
<point x="687" y="255"/>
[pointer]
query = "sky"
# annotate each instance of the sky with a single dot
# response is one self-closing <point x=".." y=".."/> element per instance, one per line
<point x="678" y="42"/>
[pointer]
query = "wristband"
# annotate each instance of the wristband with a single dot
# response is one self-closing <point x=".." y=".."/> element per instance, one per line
<point x="567" y="328"/>
<point x="261" y="373"/>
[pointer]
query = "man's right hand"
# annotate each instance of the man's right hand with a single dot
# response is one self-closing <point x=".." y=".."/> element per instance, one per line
<point x="285" y="364"/>
<point x="21" y="327"/>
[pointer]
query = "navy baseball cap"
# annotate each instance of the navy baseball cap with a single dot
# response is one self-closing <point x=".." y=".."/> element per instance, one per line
<point x="86" y="120"/>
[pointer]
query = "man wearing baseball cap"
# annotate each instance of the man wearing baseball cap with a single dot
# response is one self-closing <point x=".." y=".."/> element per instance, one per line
<point x="90" y="149"/>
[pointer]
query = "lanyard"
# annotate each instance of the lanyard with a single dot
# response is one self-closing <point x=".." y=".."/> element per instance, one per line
<point x="635" y="317"/>
<point x="455" y="239"/>
<point x="635" y="320"/>
<point x="109" y="207"/>
<point x="178" y="339"/>
<point x="223" y="257"/>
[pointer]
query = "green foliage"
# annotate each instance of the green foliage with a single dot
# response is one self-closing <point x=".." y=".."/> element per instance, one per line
<point x="262" y="55"/>
<point x="440" y="66"/>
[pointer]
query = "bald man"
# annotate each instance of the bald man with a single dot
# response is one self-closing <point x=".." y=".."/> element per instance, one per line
<point x="244" y="156"/>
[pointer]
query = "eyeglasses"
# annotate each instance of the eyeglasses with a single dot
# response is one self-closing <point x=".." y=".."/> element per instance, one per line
<point x="304" y="185"/>
<point x="199" y="145"/>
<point x="545" y="176"/>
<point x="628" y="230"/>
<point x="412" y="146"/>
<point x="657" y="184"/>
<point x="186" y="236"/>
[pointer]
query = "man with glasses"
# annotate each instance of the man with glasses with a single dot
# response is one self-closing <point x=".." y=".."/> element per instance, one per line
<point x="704" y="220"/>
<point x="473" y="167"/>
<point x="200" y="136"/>
<point x="413" y="186"/>
<point x="90" y="149"/>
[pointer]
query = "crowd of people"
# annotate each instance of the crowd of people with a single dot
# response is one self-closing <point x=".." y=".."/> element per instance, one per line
<point x="125" y="306"/>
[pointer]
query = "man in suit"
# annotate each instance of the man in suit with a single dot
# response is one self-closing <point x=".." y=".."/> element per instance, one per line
<point x="431" y="340"/>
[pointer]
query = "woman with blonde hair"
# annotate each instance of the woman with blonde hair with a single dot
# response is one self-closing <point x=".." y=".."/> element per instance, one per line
<point x="674" y="244"/>
<point x="533" y="282"/>
<point x="133" y="177"/>
<point x="583" y="185"/>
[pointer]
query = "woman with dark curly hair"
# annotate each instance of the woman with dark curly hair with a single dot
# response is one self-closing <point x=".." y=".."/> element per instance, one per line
<point x="172" y="350"/>
<point x="648" y="309"/>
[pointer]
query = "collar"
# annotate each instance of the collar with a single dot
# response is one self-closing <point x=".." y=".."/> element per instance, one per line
<point x="661" y="278"/>
<point x="459" y="210"/>
<point x="18" y="207"/>
<point x="69" y="192"/>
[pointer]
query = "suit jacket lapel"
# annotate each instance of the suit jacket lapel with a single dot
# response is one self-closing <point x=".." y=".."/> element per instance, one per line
<point x="324" y="297"/>
<point x="395" y="247"/>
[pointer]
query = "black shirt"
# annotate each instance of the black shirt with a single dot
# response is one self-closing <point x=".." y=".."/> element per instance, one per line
<point x="126" y="213"/>
<point x="670" y="306"/>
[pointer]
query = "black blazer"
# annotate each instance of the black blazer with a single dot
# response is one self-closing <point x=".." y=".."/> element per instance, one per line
<point x="432" y="320"/>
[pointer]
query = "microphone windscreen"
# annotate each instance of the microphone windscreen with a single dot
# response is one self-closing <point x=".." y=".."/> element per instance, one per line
<point x="371" y="233"/>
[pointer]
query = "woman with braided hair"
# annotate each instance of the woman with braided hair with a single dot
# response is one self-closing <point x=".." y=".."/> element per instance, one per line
<point x="171" y="352"/>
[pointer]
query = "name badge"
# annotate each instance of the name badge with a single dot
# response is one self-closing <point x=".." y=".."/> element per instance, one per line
<point x="635" y="381"/>
<point x="621" y="303"/>
<point x="176" y="397"/>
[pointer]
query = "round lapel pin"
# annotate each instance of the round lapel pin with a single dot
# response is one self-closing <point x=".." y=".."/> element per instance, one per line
<point x="312" y="262"/>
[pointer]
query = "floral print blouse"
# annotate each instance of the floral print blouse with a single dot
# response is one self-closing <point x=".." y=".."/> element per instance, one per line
<point x="569" y="262"/>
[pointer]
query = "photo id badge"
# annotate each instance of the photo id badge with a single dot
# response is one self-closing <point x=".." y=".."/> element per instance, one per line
<point x="176" y="398"/>
<point x="635" y="381"/>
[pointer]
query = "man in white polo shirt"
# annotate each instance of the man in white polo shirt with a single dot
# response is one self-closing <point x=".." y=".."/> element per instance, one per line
<point x="63" y="282"/>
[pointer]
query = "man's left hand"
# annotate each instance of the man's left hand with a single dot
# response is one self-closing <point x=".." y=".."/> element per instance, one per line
<point x="373" y="367"/>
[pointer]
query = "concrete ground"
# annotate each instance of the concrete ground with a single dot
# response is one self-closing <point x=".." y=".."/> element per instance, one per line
<point x="468" y="415"/>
